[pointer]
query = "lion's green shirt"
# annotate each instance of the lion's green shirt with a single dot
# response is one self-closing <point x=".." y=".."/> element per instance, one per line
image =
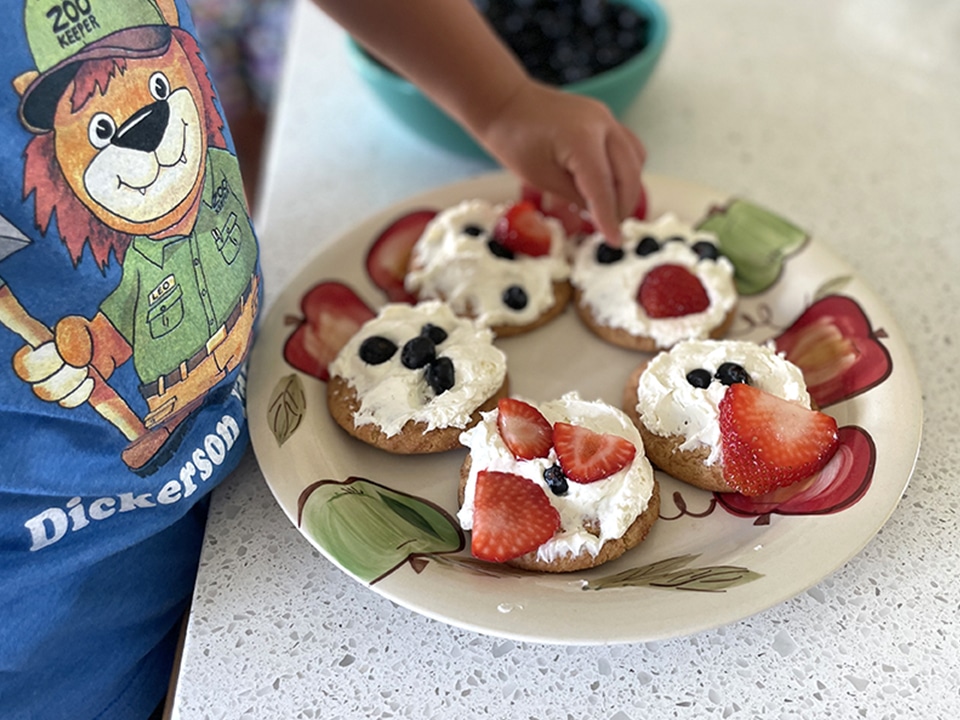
<point x="176" y="292"/>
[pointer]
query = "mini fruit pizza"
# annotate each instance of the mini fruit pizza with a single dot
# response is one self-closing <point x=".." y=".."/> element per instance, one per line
<point x="560" y="487"/>
<point x="729" y="416"/>
<point x="504" y="265"/>
<point x="414" y="377"/>
<point x="666" y="283"/>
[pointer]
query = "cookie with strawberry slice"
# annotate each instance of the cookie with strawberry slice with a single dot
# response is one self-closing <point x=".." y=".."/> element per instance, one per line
<point x="555" y="486"/>
<point x="503" y="264"/>
<point x="729" y="416"/>
<point x="667" y="282"/>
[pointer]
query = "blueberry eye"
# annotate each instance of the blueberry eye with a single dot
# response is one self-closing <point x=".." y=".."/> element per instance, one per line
<point x="101" y="130"/>
<point x="705" y="250"/>
<point x="515" y="297"/>
<point x="607" y="254"/>
<point x="159" y="86"/>
<point x="417" y="352"/>
<point x="647" y="246"/>
<point x="700" y="378"/>
<point x="436" y="333"/>
<point x="473" y="230"/>
<point x="440" y="375"/>
<point x="731" y="373"/>
<point x="376" y="350"/>
<point x="500" y="250"/>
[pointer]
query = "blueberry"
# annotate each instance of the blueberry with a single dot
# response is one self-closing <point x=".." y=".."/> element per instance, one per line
<point x="610" y="56"/>
<point x="627" y="40"/>
<point x="500" y="250"/>
<point x="591" y="12"/>
<point x="647" y="246"/>
<point x="574" y="74"/>
<point x="705" y="250"/>
<point x="627" y="18"/>
<point x="515" y="297"/>
<point x="556" y="480"/>
<point x="439" y="375"/>
<point x="699" y="378"/>
<point x="473" y="230"/>
<point x="436" y="333"/>
<point x="417" y="352"/>
<point x="730" y="373"/>
<point x="554" y="25"/>
<point x="607" y="254"/>
<point x="376" y="349"/>
<point x="514" y="23"/>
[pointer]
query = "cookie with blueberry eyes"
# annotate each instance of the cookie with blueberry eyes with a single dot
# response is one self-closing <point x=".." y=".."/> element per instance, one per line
<point x="414" y="377"/>
<point x="504" y="265"/>
<point x="666" y="283"/>
<point x="729" y="416"/>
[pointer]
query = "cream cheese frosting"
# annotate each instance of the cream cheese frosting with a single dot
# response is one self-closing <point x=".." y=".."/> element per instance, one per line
<point x="612" y="504"/>
<point x="669" y="405"/>
<point x="609" y="291"/>
<point x="391" y="394"/>
<point x="451" y="264"/>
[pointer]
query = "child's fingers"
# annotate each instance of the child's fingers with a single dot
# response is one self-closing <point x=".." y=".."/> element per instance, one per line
<point x="595" y="178"/>
<point x="626" y="155"/>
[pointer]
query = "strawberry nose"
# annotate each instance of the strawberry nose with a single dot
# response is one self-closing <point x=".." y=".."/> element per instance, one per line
<point x="671" y="290"/>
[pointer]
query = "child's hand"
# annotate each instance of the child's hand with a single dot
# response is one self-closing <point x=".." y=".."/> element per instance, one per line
<point x="561" y="143"/>
<point x="572" y="146"/>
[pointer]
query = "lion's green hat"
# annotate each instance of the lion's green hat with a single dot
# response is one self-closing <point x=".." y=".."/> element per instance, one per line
<point x="63" y="35"/>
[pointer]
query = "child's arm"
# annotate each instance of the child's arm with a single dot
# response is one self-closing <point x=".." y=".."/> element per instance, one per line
<point x="562" y="143"/>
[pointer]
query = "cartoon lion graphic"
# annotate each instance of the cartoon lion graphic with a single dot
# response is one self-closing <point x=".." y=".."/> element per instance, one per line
<point x="129" y="157"/>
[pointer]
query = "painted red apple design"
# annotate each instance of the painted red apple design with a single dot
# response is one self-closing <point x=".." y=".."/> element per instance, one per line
<point x="331" y="314"/>
<point x="840" y="484"/>
<point x="835" y="346"/>
<point x="388" y="257"/>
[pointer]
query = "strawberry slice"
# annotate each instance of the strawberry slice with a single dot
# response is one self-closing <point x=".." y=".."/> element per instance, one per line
<point x="768" y="442"/>
<point x="522" y="229"/>
<point x="640" y="209"/>
<point x="576" y="220"/>
<point x="389" y="255"/>
<point x="511" y="516"/>
<point x="587" y="456"/>
<point x="672" y="291"/>
<point x="525" y="431"/>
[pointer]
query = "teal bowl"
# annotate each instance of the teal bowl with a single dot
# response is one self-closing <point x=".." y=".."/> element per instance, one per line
<point x="617" y="87"/>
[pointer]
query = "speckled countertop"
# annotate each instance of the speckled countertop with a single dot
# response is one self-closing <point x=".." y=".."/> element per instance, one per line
<point x="840" y="113"/>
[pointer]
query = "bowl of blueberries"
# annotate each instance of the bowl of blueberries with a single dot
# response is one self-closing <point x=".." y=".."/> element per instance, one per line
<point x="604" y="49"/>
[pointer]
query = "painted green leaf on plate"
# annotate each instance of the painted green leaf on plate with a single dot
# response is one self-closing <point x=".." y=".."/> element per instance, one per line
<point x="755" y="240"/>
<point x="285" y="410"/>
<point x="672" y="573"/>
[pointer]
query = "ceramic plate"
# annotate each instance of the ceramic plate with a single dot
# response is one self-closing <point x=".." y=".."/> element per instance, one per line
<point x="389" y="521"/>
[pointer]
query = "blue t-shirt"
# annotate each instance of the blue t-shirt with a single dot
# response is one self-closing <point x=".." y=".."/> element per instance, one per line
<point x="129" y="288"/>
